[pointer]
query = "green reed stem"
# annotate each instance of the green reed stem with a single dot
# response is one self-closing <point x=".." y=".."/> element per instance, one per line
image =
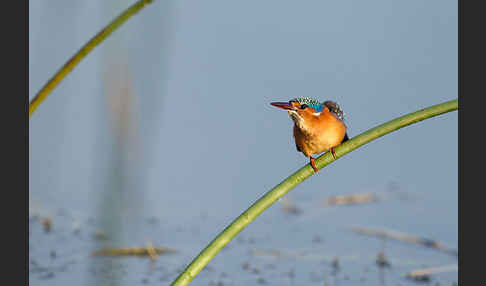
<point x="72" y="62"/>
<point x="296" y="178"/>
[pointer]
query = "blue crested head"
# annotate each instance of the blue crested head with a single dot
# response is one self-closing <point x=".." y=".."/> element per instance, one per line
<point x="311" y="102"/>
<point x="304" y="102"/>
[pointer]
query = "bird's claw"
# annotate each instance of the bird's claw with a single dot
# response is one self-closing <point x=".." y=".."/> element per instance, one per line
<point x="333" y="153"/>
<point x="313" y="165"/>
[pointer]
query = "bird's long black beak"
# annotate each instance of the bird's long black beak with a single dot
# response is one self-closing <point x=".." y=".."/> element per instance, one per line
<point x="283" y="105"/>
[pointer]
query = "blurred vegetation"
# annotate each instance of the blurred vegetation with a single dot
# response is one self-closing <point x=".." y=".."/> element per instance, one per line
<point x="83" y="52"/>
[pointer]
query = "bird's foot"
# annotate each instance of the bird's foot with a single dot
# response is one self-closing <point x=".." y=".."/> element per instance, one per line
<point x="333" y="153"/>
<point x="313" y="164"/>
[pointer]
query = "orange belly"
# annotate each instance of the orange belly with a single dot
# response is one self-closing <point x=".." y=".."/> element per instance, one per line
<point x="319" y="138"/>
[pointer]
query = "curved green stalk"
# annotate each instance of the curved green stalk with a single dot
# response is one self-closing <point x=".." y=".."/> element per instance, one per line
<point x="296" y="178"/>
<point x="96" y="40"/>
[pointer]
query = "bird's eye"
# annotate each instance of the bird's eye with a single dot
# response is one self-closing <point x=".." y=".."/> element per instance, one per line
<point x="303" y="106"/>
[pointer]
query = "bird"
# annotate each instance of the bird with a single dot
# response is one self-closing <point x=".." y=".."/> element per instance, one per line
<point x="318" y="127"/>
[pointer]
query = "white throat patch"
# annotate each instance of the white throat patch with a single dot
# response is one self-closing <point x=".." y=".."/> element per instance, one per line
<point x="298" y="120"/>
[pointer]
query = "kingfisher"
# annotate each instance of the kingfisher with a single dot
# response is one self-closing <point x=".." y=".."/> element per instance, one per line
<point x="318" y="127"/>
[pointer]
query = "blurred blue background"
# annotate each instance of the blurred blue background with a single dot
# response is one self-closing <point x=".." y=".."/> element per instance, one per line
<point x="169" y="121"/>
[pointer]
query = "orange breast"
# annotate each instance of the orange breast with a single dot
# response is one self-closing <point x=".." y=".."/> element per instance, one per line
<point x="320" y="134"/>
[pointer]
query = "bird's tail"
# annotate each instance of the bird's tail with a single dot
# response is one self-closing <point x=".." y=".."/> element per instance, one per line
<point x="346" y="138"/>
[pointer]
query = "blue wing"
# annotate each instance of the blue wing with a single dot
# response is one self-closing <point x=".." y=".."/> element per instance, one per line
<point x="335" y="109"/>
